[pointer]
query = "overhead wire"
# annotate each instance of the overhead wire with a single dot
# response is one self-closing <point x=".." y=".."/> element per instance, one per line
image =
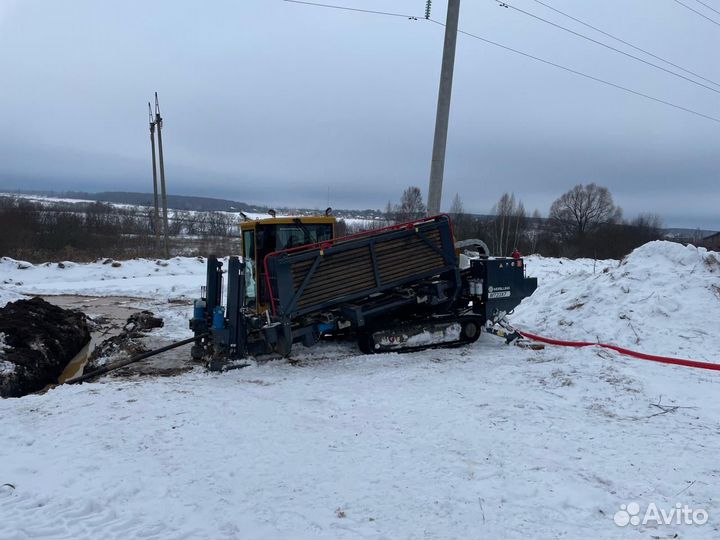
<point x="530" y="56"/>
<point x="346" y="8"/>
<point x="683" y="4"/>
<point x="619" y="51"/>
<point x="708" y="6"/>
<point x="624" y="42"/>
<point x="581" y="74"/>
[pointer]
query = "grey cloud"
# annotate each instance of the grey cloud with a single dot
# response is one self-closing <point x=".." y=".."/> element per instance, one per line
<point x="273" y="103"/>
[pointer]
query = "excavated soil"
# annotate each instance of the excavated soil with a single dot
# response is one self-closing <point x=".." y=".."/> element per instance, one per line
<point x="127" y="343"/>
<point x="37" y="340"/>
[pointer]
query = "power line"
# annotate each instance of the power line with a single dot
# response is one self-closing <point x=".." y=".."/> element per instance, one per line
<point x="536" y="58"/>
<point x="331" y="6"/>
<point x="625" y="42"/>
<point x="708" y="6"/>
<point x="588" y="38"/>
<point x="581" y="74"/>
<point x="696" y="11"/>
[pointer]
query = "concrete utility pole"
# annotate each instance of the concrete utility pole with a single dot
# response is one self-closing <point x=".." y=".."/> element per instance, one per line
<point x="437" y="167"/>
<point x="158" y="123"/>
<point x="156" y="215"/>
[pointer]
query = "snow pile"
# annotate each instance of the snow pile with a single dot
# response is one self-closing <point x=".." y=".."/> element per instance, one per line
<point x="549" y="269"/>
<point x="663" y="298"/>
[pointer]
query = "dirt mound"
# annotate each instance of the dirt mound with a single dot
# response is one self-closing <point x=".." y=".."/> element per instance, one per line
<point x="37" y="340"/>
<point x="142" y="321"/>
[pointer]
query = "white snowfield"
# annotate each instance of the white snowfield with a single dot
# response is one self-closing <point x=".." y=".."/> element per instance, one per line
<point x="142" y="278"/>
<point x="483" y="441"/>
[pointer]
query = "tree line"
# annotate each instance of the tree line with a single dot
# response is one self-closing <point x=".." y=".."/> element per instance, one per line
<point x="40" y="232"/>
<point x="582" y="222"/>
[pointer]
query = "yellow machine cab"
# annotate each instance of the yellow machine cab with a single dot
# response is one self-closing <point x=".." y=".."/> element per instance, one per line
<point x="263" y="236"/>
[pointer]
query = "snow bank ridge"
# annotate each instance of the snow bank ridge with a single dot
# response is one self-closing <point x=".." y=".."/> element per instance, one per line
<point x="661" y="299"/>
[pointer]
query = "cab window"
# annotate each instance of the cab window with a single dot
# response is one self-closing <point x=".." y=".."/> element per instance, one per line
<point x="249" y="260"/>
<point x="294" y="235"/>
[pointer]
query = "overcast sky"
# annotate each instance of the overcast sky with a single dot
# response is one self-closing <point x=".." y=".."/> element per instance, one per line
<point x="270" y="102"/>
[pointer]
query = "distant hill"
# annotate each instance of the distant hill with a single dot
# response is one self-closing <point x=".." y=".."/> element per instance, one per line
<point x="210" y="204"/>
<point x="687" y="234"/>
<point x="189" y="202"/>
<point x="176" y="202"/>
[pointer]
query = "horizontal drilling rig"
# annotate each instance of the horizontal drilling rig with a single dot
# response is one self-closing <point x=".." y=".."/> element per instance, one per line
<point x="400" y="288"/>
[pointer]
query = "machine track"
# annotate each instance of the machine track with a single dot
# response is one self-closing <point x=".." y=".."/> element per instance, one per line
<point x="429" y="333"/>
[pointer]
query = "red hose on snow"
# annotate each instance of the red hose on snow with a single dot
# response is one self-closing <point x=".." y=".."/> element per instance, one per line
<point x="621" y="350"/>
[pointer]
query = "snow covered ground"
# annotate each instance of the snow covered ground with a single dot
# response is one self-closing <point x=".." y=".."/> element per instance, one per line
<point x="481" y="441"/>
<point x="142" y="278"/>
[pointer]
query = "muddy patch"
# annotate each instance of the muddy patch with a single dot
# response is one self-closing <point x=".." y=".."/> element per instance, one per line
<point x="126" y="344"/>
<point x="123" y="327"/>
<point x="106" y="316"/>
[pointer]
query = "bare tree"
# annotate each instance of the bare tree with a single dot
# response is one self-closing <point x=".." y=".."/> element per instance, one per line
<point x="582" y="210"/>
<point x="411" y="205"/>
<point x="219" y="224"/>
<point x="650" y="224"/>
<point x="533" y="231"/>
<point x="645" y="228"/>
<point x="462" y="223"/>
<point x="390" y="216"/>
<point x="456" y="208"/>
<point x="341" y="228"/>
<point x="175" y="223"/>
<point x="508" y="226"/>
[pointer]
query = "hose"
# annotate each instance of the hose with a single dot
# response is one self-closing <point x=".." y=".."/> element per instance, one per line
<point x="132" y="360"/>
<point x="626" y="352"/>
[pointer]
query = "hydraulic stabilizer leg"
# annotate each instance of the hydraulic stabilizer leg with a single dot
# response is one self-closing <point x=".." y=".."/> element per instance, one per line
<point x="206" y="310"/>
<point x="502" y="328"/>
<point x="229" y="328"/>
<point x="510" y="337"/>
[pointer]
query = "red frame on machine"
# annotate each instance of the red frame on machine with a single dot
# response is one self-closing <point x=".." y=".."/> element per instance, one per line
<point x="330" y="243"/>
